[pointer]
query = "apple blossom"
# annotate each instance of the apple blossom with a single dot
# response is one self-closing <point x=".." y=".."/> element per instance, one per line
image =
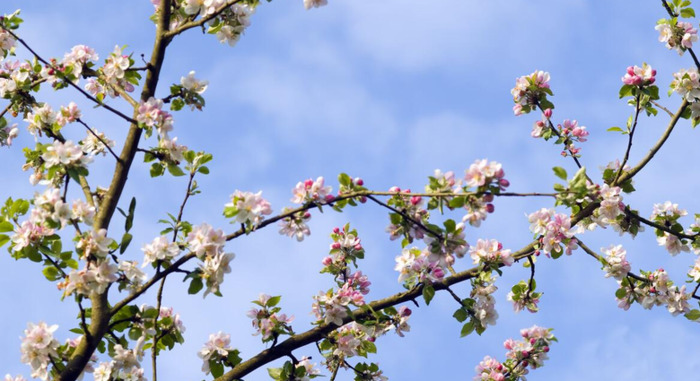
<point x="311" y="191"/>
<point x="308" y="4"/>
<point x="215" y="348"/>
<point x="160" y="249"/>
<point x="247" y="208"/>
<point x="639" y="76"/>
<point x="38" y="348"/>
<point x="490" y="252"/>
<point x="205" y="241"/>
<point x="616" y="265"/>
<point x="295" y="225"/>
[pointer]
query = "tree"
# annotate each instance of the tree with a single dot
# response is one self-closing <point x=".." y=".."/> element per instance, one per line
<point x="62" y="163"/>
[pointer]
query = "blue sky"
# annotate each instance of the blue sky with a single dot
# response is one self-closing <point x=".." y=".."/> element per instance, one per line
<point x="388" y="91"/>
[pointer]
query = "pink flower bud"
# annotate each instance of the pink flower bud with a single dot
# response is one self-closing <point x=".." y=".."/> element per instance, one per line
<point x="488" y="197"/>
<point x="372" y="339"/>
<point x="437" y="271"/>
<point x="499" y="173"/>
<point x="490" y="208"/>
<point x="415" y="200"/>
<point x="307" y="215"/>
<point x="330" y="197"/>
<point x="545" y="349"/>
<point x="525" y="354"/>
<point x="308" y="183"/>
<point x="327" y="261"/>
<point x="336" y="230"/>
<point x="358" y="247"/>
<point x="335" y="246"/>
<point x="363" y="199"/>
<point x="504" y="183"/>
<point x="548" y="113"/>
<point x="358" y="181"/>
<point x="395" y="189"/>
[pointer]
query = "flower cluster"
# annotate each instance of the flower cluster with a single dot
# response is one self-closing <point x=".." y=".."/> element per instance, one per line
<point x="333" y="307"/>
<point x="214" y="350"/>
<point x="484" y="308"/>
<point x="530" y="352"/>
<point x="312" y="191"/>
<point x="411" y="206"/>
<point x="345" y="249"/>
<point x="531" y="91"/>
<point x="96" y="143"/>
<point x="611" y="206"/>
<point x="230" y="24"/>
<point x="93" y="279"/>
<point x="554" y="231"/>
<point x="8" y="134"/>
<point x="616" y="264"/>
<point x="161" y="249"/>
<point x="247" y="208"/>
<point x="679" y="36"/>
<point x="667" y="214"/>
<point x="125" y="364"/>
<point x="443" y="251"/>
<point x="308" y="4"/>
<point x="523" y="296"/>
<point x="484" y="175"/>
<point x="208" y="245"/>
<point x="152" y="115"/>
<point x="39" y="348"/>
<point x="295" y="225"/>
<point x="267" y="321"/>
<point x="490" y="252"/>
<point x="95" y="244"/>
<point x="639" y="76"/>
<point x="66" y="154"/>
<point x="656" y="290"/>
<point x="414" y="267"/>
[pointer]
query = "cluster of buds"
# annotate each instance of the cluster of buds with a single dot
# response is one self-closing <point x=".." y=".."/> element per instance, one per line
<point x="267" y="321"/>
<point x="679" y="35"/>
<point x="531" y="91"/>
<point x="530" y="352"/>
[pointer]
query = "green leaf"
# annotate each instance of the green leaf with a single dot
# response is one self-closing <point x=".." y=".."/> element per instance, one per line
<point x="274" y="373"/>
<point x="693" y="315"/>
<point x="175" y="170"/>
<point x="450" y="225"/>
<point x="217" y="368"/>
<point x="620" y="293"/>
<point x="467" y="329"/>
<point x="615" y="128"/>
<point x="6" y="226"/>
<point x="130" y="218"/>
<point x="195" y="286"/>
<point x="157" y="170"/>
<point x="4" y="239"/>
<point x="126" y="240"/>
<point x="344" y="179"/>
<point x="457" y="202"/>
<point x="51" y="273"/>
<point x="428" y="293"/>
<point x="560" y="172"/>
<point x="461" y="315"/>
<point x="687" y="13"/>
<point x="273" y="301"/>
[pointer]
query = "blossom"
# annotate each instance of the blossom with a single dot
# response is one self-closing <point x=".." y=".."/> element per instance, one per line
<point x="639" y="76"/>
<point x="204" y="240"/>
<point x="215" y="348"/>
<point x="414" y="266"/>
<point x="133" y="274"/>
<point x="160" y="249"/>
<point x="115" y="65"/>
<point x="554" y="231"/>
<point x="483" y="173"/>
<point x="68" y="154"/>
<point x="311" y="191"/>
<point x="41" y="117"/>
<point x="679" y="36"/>
<point x="490" y="252"/>
<point x="529" y="90"/>
<point x="213" y="270"/>
<point x="308" y="4"/>
<point x="96" y="143"/>
<point x="247" y="207"/>
<point x="38" y="347"/>
<point x="687" y="84"/>
<point x="295" y="225"/>
<point x="95" y="243"/>
<point x="616" y="265"/>
<point x="192" y="84"/>
<point x="151" y="114"/>
<point x="490" y="369"/>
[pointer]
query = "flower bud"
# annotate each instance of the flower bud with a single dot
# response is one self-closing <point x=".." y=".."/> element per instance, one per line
<point x="358" y="181"/>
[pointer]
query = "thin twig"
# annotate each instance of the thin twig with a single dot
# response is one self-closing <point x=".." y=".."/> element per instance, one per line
<point x="637" y="109"/>
<point x="104" y="143"/>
